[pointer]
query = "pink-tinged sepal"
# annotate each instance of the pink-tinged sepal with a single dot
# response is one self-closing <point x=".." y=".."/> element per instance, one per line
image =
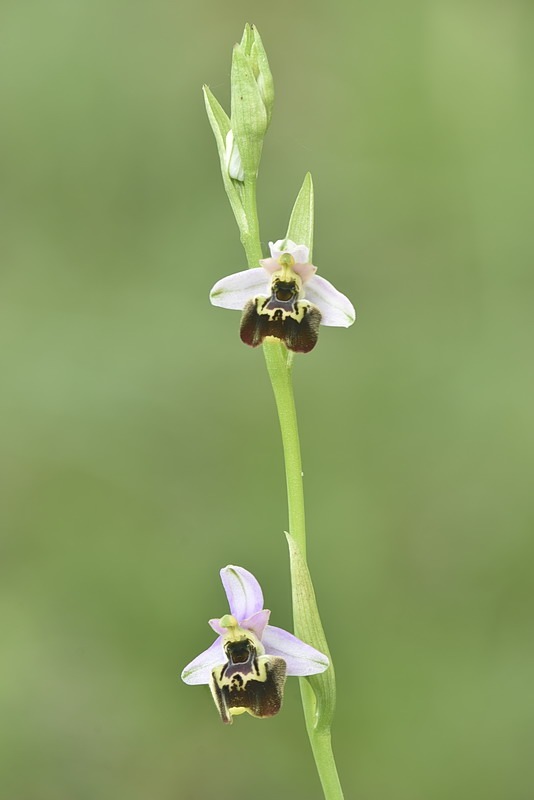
<point x="300" y="658"/>
<point x="243" y="591"/>
<point x="257" y="622"/>
<point x="336" y="309"/>
<point x="199" y="670"/>
<point x="234" y="291"/>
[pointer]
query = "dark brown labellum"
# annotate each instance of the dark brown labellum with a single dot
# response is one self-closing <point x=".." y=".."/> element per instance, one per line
<point x="282" y="315"/>
<point x="248" y="682"/>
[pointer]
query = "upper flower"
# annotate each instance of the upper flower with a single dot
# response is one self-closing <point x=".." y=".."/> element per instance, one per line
<point x="284" y="298"/>
<point x="247" y="664"/>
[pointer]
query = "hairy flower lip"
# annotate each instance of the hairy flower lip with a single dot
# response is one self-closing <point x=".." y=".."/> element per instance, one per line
<point x="245" y="599"/>
<point x="234" y="291"/>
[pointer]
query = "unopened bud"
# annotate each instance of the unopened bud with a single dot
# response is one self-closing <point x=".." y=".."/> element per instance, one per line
<point x="252" y="98"/>
<point x="233" y="159"/>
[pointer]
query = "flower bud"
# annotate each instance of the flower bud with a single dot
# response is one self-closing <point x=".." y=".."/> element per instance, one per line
<point x="232" y="158"/>
<point x="263" y="73"/>
<point x="252" y="99"/>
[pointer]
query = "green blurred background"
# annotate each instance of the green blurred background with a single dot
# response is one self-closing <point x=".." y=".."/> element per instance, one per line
<point x="140" y="450"/>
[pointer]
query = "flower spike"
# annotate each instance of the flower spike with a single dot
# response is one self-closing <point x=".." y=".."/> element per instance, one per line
<point x="247" y="665"/>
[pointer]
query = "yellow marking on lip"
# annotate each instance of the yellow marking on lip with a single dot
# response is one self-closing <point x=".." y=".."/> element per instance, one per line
<point x="286" y="274"/>
<point x="297" y="314"/>
<point x="236" y="711"/>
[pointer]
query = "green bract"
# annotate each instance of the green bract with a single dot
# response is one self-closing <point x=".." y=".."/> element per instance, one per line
<point x="308" y="625"/>
<point x="220" y="124"/>
<point x="301" y="222"/>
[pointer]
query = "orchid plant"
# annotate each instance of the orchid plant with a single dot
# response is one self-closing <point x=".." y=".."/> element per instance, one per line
<point x="283" y="303"/>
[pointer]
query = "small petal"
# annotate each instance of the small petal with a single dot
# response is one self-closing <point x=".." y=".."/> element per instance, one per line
<point x="305" y="271"/>
<point x="300" y="252"/>
<point x="199" y="670"/>
<point x="243" y="591"/>
<point x="234" y="291"/>
<point x="301" y="658"/>
<point x="257" y="622"/>
<point x="336" y="309"/>
<point x="270" y="264"/>
<point x="217" y="627"/>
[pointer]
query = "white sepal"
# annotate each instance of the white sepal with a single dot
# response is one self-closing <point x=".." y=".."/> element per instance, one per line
<point x="234" y="291"/>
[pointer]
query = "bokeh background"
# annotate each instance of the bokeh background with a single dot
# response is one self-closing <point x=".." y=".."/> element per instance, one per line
<point x="140" y="450"/>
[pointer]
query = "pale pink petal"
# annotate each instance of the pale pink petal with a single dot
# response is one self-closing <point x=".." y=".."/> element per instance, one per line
<point x="300" y="658"/>
<point x="305" y="271"/>
<point x="234" y="291"/>
<point x="199" y="670"/>
<point x="336" y="309"/>
<point x="257" y="622"/>
<point x="243" y="592"/>
<point x="217" y="627"/>
<point x="270" y="265"/>
<point x="300" y="252"/>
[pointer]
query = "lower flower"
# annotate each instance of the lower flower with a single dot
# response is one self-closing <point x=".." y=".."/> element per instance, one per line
<point x="247" y="665"/>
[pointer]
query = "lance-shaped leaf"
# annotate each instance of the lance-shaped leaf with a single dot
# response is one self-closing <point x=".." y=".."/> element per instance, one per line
<point x="308" y="627"/>
<point x="301" y="221"/>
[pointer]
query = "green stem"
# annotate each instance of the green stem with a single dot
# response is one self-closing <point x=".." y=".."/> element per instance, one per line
<point x="250" y="238"/>
<point x="278" y="363"/>
<point x="280" y="375"/>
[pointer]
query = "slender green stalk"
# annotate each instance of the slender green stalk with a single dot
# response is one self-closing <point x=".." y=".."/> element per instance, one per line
<point x="279" y="369"/>
<point x="250" y="238"/>
<point x="321" y="742"/>
<point x="280" y="375"/>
